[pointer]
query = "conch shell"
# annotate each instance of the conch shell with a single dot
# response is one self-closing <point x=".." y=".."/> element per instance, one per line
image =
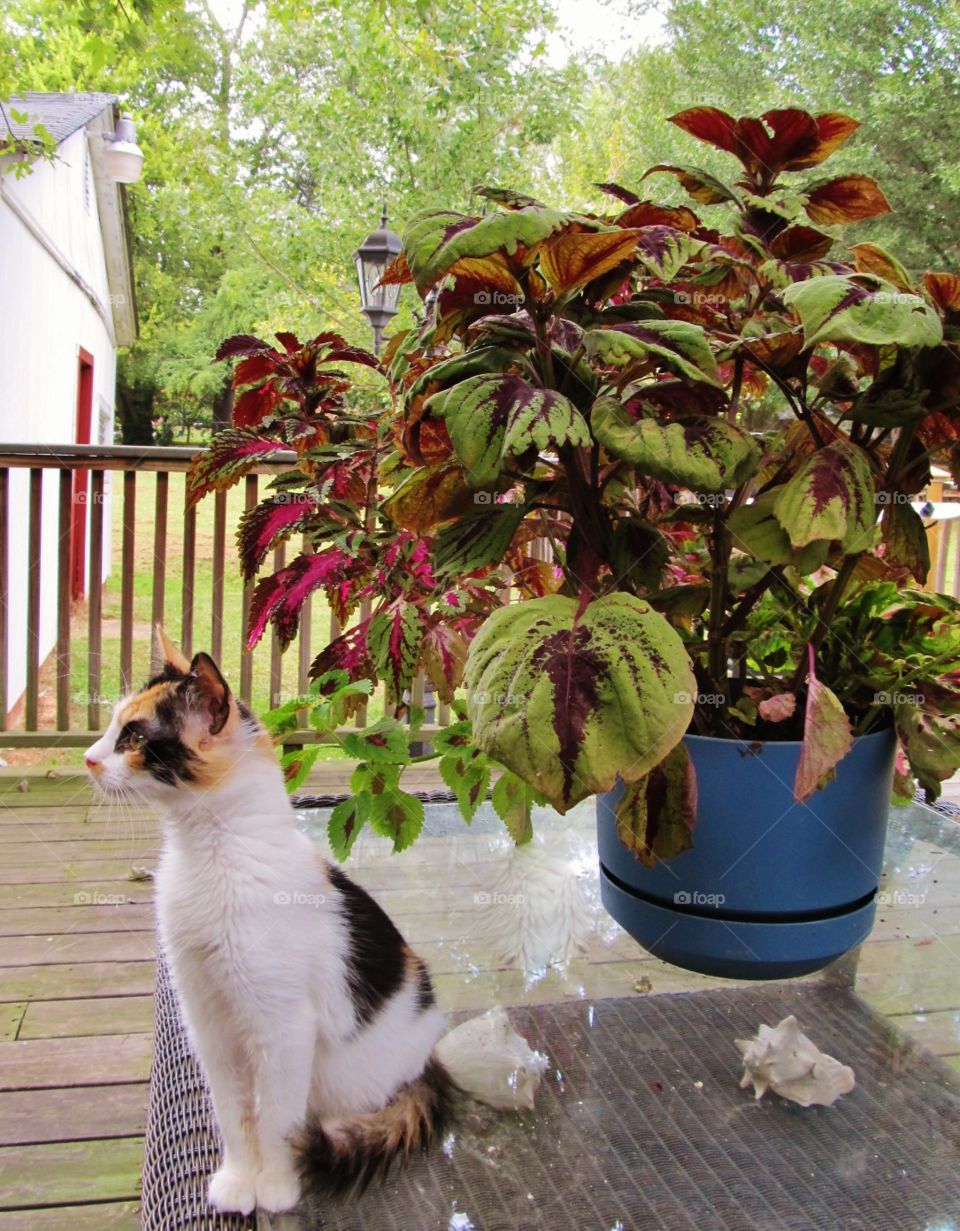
<point x="782" y="1059"/>
<point x="491" y="1062"/>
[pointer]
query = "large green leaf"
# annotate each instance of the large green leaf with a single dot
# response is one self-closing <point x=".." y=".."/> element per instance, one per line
<point x="492" y="418"/>
<point x="754" y="529"/>
<point x="435" y="241"/>
<point x="678" y="345"/>
<point x="830" y="497"/>
<point x="702" y="452"/>
<point x="572" y="700"/>
<point x="865" y="309"/>
<point x="470" y="363"/>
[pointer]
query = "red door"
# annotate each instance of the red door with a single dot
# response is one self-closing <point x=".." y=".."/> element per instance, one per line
<point x="81" y="478"/>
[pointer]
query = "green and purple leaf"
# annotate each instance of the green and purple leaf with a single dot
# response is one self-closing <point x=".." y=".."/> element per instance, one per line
<point x="444" y="655"/>
<point x="905" y="538"/>
<point x="826" y="737"/>
<point x="440" y="242"/>
<point x="831" y="497"/>
<point x="494" y="418"/>
<point x="862" y="308"/>
<point x="385" y="742"/>
<point x="930" y="734"/>
<point x="345" y="823"/>
<point x="572" y="699"/>
<point x="656" y="814"/>
<point x="394" y="640"/>
<point x="478" y="540"/>
<point x="678" y="345"/>
<point x="701" y="452"/>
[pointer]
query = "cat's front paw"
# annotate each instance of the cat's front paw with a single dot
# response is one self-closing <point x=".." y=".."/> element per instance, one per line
<point x="278" y="1188"/>
<point x="232" y="1192"/>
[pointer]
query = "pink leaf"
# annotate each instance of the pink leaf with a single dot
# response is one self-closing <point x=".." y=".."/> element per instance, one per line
<point x="826" y="737"/>
<point x="280" y="597"/>
<point x="778" y="708"/>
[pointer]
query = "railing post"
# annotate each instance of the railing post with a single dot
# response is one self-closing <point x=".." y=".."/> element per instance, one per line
<point x="4" y="596"/>
<point x="126" y="580"/>
<point x="159" y="562"/>
<point x="63" y="600"/>
<point x="95" y="608"/>
<point x="33" y="598"/>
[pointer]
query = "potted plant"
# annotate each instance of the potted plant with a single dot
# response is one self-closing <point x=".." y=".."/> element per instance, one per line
<point x="719" y="426"/>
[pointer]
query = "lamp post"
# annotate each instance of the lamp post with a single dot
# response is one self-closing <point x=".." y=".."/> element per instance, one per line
<point x="378" y="303"/>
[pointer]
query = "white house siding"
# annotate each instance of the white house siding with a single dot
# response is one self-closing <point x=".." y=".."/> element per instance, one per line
<point x="45" y="320"/>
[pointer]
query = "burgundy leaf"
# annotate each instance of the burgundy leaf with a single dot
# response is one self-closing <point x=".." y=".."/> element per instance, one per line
<point x="242" y="344"/>
<point x="270" y="523"/>
<point x="227" y="458"/>
<point x="622" y="194"/>
<point x="280" y="597"/>
<point x="252" y="407"/>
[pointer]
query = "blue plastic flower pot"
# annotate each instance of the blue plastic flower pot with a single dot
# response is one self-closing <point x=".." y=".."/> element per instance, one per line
<point x="771" y="889"/>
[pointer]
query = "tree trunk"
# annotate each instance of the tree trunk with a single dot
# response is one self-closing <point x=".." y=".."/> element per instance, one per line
<point x="135" y="412"/>
<point x="223" y="408"/>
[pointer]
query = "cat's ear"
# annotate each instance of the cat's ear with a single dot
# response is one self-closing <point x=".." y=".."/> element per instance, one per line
<point x="168" y="653"/>
<point x="210" y="692"/>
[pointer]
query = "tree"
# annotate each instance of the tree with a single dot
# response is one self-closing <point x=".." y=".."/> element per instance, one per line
<point x="270" y="145"/>
<point x="892" y="64"/>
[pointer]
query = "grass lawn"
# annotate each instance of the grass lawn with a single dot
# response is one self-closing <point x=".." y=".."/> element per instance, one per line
<point x="109" y="691"/>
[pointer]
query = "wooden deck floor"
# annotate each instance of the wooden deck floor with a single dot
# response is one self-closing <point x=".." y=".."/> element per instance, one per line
<point x="76" y="977"/>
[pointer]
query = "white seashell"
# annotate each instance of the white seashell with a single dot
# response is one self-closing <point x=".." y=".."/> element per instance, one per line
<point x="491" y="1062"/>
<point x="782" y="1059"/>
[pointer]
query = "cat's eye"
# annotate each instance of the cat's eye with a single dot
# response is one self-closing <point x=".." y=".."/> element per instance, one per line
<point x="137" y="739"/>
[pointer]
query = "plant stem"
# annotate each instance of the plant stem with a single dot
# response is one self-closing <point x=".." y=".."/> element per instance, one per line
<point x="721" y="545"/>
<point x="840" y="583"/>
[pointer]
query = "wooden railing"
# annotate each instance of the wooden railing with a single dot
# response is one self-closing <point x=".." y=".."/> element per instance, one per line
<point x="107" y="483"/>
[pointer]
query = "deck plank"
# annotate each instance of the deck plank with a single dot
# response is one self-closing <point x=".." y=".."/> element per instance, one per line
<point x="84" y="1113"/>
<point x="46" y="1064"/>
<point x="60" y="1019"/>
<point x="48" y="871"/>
<point x="74" y="893"/>
<point x="121" y="945"/>
<point x="71" y="1171"/>
<point x="11" y="1015"/>
<point x="107" y="1216"/>
<point x="73" y="980"/>
<point x="97" y="916"/>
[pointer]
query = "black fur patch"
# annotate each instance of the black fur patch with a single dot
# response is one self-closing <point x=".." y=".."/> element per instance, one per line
<point x="168" y="675"/>
<point x="164" y="754"/>
<point x="425" y="997"/>
<point x="375" y="964"/>
<point x="331" y="1168"/>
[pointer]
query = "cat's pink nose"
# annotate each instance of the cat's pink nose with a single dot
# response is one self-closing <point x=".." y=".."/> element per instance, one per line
<point x="90" y="761"/>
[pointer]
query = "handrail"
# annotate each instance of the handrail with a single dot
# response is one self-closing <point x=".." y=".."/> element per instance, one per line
<point x="173" y="458"/>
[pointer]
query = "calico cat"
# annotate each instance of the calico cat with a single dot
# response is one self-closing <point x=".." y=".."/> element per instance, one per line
<point x="312" y="1019"/>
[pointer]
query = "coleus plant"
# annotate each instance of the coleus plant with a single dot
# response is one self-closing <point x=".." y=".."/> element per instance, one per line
<point x="717" y="423"/>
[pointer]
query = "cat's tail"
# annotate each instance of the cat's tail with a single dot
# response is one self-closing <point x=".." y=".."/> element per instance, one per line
<point x="344" y="1155"/>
